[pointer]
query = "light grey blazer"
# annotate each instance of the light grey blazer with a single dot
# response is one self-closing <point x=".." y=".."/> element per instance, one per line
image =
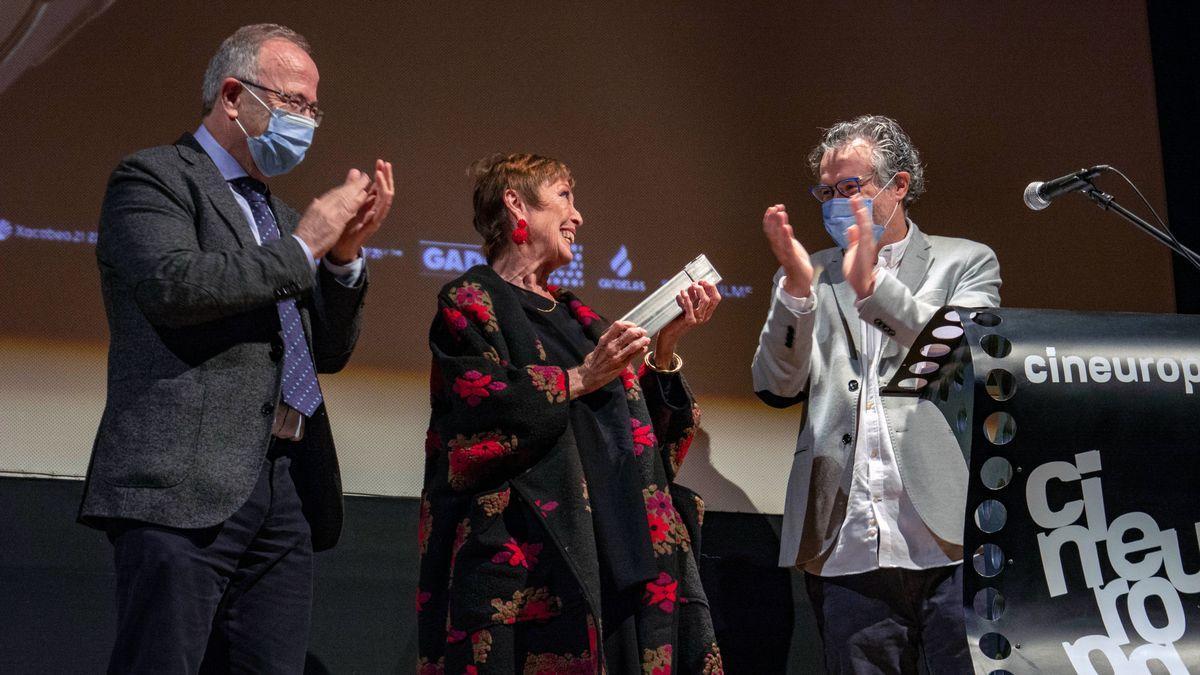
<point x="814" y="359"/>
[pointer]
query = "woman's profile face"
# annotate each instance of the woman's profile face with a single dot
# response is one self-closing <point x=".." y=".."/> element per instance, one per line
<point x="553" y="225"/>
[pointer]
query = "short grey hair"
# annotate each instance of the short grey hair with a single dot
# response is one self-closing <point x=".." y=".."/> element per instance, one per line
<point x="891" y="150"/>
<point x="238" y="57"/>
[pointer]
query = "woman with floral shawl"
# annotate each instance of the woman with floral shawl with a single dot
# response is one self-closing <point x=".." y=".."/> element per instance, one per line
<point x="553" y="537"/>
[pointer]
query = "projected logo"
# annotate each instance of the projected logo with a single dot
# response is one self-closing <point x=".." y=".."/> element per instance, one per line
<point x="621" y="267"/>
<point x="620" y="264"/>
<point x="6" y="229"/>
<point x="450" y="259"/>
<point x="570" y="275"/>
<point x="735" y="290"/>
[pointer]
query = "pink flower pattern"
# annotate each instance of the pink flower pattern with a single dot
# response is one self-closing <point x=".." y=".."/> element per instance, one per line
<point x="643" y="436"/>
<point x="550" y="380"/>
<point x="582" y="313"/>
<point x="662" y="593"/>
<point x="474" y="386"/>
<point x="517" y="554"/>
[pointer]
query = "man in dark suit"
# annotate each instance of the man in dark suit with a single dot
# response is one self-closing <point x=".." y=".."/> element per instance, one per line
<point x="213" y="470"/>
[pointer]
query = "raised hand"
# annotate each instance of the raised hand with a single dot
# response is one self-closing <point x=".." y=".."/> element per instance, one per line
<point x="620" y="344"/>
<point x="790" y="254"/>
<point x="369" y="217"/>
<point x="327" y="216"/>
<point x="858" y="265"/>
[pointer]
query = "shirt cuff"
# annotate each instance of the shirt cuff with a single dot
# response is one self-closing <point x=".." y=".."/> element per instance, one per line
<point x="797" y="306"/>
<point x="348" y="274"/>
<point x="312" y="262"/>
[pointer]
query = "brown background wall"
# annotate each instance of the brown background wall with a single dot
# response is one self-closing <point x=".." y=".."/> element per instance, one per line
<point x="681" y="121"/>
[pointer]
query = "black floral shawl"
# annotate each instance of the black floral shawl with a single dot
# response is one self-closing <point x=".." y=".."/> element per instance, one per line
<point x="510" y="577"/>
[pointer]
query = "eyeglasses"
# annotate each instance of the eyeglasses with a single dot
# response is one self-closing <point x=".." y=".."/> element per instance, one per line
<point x="846" y="187"/>
<point x="293" y="103"/>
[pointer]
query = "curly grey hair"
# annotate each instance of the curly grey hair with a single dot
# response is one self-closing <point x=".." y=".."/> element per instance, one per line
<point x="891" y="150"/>
<point x="238" y="57"/>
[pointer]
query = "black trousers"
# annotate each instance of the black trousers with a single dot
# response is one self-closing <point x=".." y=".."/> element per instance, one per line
<point x="886" y="620"/>
<point x="233" y="598"/>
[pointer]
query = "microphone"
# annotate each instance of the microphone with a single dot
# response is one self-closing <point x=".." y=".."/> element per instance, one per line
<point x="1038" y="194"/>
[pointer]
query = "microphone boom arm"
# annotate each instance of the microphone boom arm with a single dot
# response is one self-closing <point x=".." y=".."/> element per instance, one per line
<point x="1106" y="202"/>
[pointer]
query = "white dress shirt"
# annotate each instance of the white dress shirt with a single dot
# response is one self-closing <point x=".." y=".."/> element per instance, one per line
<point x="882" y="527"/>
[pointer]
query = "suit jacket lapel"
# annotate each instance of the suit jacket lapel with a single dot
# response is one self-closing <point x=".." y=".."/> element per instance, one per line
<point x="845" y="299"/>
<point x="916" y="261"/>
<point x="216" y="189"/>
<point x="285" y="218"/>
<point x="912" y="272"/>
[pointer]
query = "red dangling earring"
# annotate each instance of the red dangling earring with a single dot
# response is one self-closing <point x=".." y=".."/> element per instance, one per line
<point x="520" y="233"/>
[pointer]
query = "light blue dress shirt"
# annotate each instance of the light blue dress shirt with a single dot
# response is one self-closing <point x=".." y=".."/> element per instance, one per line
<point x="230" y="169"/>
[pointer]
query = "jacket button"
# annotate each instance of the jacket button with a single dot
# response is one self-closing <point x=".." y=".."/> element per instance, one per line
<point x="267" y="409"/>
<point x="853" y="385"/>
<point x="276" y="351"/>
<point x="846" y="438"/>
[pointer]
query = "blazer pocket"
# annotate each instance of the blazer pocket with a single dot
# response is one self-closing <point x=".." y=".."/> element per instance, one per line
<point x="149" y="433"/>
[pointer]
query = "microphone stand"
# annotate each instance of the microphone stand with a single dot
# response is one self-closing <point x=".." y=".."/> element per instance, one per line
<point x="1105" y="201"/>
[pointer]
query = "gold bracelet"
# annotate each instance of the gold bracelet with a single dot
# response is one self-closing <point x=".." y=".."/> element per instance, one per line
<point x="676" y="363"/>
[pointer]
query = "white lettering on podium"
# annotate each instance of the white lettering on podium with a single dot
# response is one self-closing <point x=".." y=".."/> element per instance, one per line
<point x="1071" y="368"/>
<point x="1136" y="549"/>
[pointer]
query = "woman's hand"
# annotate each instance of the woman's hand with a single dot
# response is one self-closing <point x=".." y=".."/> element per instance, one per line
<point x="619" y="345"/>
<point x="698" y="302"/>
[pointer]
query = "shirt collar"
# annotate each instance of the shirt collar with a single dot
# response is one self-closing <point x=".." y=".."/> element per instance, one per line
<point x="226" y="164"/>
<point x="890" y="255"/>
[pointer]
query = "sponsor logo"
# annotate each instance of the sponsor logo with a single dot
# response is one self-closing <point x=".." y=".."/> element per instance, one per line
<point x="449" y="259"/>
<point x="620" y="264"/>
<point x="1147" y="587"/>
<point x="446" y="258"/>
<point x="1069" y="368"/>
<point x="735" y="290"/>
<point x="571" y="274"/>
<point x="11" y="230"/>
<point x="727" y="291"/>
<point x="622" y="267"/>
<point x="375" y="253"/>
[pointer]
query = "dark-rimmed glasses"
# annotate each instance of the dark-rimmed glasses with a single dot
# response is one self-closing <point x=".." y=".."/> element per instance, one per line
<point x="292" y="102"/>
<point x="846" y="187"/>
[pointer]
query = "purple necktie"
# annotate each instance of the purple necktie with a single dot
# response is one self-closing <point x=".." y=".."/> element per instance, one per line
<point x="300" y="388"/>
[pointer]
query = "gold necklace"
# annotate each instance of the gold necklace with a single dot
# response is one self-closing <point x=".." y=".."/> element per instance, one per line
<point x="553" y="302"/>
<point x="553" y="306"/>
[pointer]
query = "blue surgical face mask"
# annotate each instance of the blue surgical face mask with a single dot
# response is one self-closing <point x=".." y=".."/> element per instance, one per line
<point x="838" y="214"/>
<point x="282" y="146"/>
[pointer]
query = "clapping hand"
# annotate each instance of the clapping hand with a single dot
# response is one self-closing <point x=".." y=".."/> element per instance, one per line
<point x="369" y="216"/>
<point x="326" y="219"/>
<point x="790" y="254"/>
<point x="858" y="265"/>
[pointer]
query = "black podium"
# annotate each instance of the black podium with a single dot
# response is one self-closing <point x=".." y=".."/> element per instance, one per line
<point x="1083" y="437"/>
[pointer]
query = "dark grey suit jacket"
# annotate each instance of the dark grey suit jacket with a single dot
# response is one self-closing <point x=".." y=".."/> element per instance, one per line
<point x="196" y="353"/>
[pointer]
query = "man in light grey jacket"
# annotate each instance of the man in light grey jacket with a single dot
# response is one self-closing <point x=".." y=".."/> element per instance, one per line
<point x="877" y="493"/>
